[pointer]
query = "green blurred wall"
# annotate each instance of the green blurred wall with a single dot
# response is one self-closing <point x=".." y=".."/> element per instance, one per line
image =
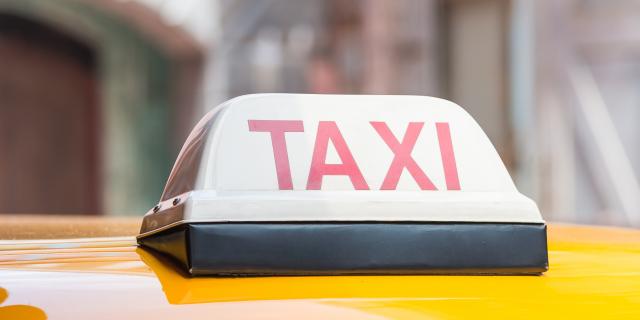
<point x="134" y="83"/>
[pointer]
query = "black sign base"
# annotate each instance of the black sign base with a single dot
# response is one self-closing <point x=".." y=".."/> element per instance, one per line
<point x="259" y="249"/>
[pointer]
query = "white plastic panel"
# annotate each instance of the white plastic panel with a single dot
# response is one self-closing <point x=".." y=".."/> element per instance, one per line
<point x="298" y="157"/>
<point x="241" y="159"/>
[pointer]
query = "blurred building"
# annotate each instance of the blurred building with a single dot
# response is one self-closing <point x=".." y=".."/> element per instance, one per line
<point x="587" y="104"/>
<point x="105" y="91"/>
<point x="95" y="98"/>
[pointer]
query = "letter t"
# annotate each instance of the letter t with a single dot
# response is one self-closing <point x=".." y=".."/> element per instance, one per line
<point x="277" y="128"/>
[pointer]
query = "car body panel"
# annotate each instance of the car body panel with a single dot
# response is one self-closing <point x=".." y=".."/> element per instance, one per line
<point x="594" y="273"/>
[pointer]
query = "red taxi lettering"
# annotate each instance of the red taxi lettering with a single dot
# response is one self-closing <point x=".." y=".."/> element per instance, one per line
<point x="447" y="156"/>
<point x="328" y="130"/>
<point x="277" y="129"/>
<point x="402" y="156"/>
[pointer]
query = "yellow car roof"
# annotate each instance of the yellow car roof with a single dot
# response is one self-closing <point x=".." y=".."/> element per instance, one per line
<point x="594" y="273"/>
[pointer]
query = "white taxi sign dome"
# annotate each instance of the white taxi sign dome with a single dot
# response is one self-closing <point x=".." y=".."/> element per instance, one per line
<point x="338" y="159"/>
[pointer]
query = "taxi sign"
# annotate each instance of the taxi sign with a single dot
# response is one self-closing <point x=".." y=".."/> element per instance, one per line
<point x="343" y="184"/>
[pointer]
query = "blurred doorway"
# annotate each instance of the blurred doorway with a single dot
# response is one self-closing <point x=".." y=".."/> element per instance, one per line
<point x="49" y="130"/>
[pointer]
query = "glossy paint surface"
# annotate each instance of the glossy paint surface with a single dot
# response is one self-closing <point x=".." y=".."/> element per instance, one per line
<point x="594" y="273"/>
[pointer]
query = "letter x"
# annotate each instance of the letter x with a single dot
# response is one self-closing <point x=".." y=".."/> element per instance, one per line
<point x="402" y="156"/>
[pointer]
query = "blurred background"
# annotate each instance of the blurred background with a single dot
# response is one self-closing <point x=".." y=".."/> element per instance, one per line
<point x="97" y="96"/>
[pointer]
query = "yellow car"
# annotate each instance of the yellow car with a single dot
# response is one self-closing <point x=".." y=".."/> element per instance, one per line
<point x="287" y="206"/>
<point x="594" y="273"/>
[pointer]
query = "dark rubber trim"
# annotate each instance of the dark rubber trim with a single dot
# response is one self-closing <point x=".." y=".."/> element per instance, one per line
<point x="360" y="248"/>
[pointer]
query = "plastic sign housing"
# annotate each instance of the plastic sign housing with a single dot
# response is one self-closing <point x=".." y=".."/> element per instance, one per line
<point x="342" y="184"/>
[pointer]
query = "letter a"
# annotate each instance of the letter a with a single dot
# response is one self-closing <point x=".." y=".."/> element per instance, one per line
<point x="328" y="130"/>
